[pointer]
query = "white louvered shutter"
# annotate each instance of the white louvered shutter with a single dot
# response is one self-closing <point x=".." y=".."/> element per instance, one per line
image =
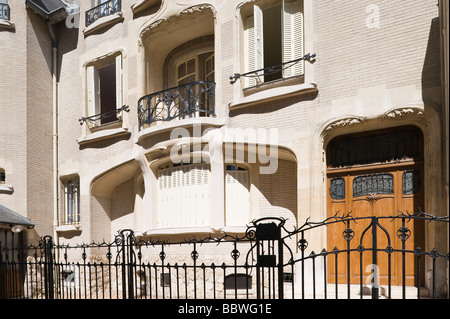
<point x="237" y="198"/>
<point x="250" y="54"/>
<point x="118" y="81"/>
<point x="293" y="36"/>
<point x="255" y="45"/>
<point x="259" y="41"/>
<point x="184" y="196"/>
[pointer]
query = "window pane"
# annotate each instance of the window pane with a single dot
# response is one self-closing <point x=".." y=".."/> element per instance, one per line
<point x="337" y="188"/>
<point x="373" y="184"/>
<point x="181" y="70"/>
<point x="411" y="182"/>
<point x="191" y="66"/>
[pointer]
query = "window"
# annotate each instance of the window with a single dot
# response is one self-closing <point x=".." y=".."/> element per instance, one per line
<point x="410" y="182"/>
<point x="238" y="281"/>
<point x="373" y="184"/>
<point x="237" y="195"/>
<point x="104" y="91"/>
<point x="2" y="176"/>
<point x="199" y="67"/>
<point x="274" y="35"/>
<point x="71" y="188"/>
<point x="184" y="195"/>
<point x="337" y="188"/>
<point x="4" y="10"/>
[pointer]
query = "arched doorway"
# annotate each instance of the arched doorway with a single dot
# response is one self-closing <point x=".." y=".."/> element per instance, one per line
<point x="376" y="173"/>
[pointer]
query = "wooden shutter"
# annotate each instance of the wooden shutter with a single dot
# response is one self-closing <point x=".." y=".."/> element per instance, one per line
<point x="255" y="45"/>
<point x="93" y="91"/>
<point x="119" y="102"/>
<point x="118" y="81"/>
<point x="184" y="196"/>
<point x="293" y="36"/>
<point x="237" y="198"/>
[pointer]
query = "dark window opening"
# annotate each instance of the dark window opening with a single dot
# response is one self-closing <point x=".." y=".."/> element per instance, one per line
<point x="272" y="31"/>
<point x="107" y="79"/>
<point x="238" y="281"/>
<point x="374" y="147"/>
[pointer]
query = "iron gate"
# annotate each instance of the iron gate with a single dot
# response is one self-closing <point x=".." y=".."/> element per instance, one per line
<point x="268" y="261"/>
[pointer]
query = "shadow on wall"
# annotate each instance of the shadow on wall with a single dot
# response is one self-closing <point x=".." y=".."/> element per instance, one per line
<point x="431" y="73"/>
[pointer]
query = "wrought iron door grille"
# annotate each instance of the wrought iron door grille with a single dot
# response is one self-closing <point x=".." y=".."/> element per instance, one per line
<point x="373" y="184"/>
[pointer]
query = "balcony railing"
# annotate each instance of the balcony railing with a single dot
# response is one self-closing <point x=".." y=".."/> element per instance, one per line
<point x="102" y="10"/>
<point x="104" y="117"/>
<point x="193" y="99"/>
<point x="4" y="11"/>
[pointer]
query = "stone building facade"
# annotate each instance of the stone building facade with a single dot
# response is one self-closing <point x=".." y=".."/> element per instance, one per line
<point x="165" y="117"/>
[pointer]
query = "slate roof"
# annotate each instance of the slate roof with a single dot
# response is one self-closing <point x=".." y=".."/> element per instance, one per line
<point x="9" y="217"/>
<point x="48" y="6"/>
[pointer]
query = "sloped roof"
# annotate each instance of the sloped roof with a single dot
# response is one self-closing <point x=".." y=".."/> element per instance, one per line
<point x="9" y="217"/>
<point x="48" y="6"/>
<point x="52" y="10"/>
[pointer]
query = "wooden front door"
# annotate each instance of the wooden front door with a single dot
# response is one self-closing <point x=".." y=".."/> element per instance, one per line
<point x="381" y="190"/>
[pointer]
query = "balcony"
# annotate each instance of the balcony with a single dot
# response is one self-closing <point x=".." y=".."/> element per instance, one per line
<point x="194" y="99"/>
<point x="4" y="11"/>
<point x="104" y="9"/>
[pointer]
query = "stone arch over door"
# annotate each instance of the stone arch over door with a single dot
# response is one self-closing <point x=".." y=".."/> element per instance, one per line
<point x="376" y="173"/>
<point x="425" y="118"/>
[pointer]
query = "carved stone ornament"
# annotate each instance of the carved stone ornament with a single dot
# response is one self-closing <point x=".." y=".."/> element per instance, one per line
<point x="344" y="123"/>
<point x="402" y="112"/>
<point x="190" y="10"/>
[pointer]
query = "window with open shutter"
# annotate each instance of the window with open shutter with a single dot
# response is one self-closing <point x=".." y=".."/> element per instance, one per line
<point x="104" y="90"/>
<point x="273" y="38"/>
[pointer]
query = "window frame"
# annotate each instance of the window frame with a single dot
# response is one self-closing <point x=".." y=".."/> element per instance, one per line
<point x="254" y="61"/>
<point x="73" y="196"/>
<point x="94" y="112"/>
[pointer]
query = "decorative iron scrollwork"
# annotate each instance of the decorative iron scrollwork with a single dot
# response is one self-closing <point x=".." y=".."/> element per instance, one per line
<point x="403" y="233"/>
<point x="194" y="255"/>
<point x="179" y="102"/>
<point x="302" y="244"/>
<point x="102" y="10"/>
<point x="365" y="185"/>
<point x="348" y="234"/>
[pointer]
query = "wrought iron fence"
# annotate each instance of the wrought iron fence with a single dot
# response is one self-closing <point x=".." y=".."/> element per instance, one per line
<point x="268" y="261"/>
<point x="184" y="101"/>
<point x="104" y="9"/>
